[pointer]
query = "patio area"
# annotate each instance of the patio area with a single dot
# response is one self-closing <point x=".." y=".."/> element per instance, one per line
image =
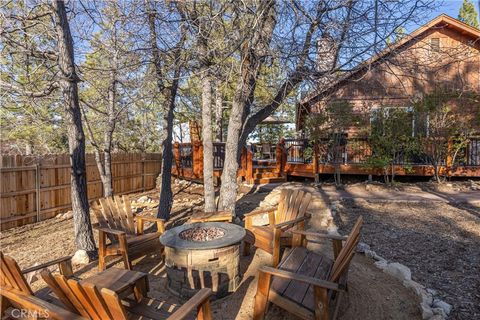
<point x="372" y="293"/>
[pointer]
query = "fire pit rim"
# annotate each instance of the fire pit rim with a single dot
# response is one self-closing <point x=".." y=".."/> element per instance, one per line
<point x="233" y="234"/>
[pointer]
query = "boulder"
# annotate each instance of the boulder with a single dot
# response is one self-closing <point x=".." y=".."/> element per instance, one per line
<point x="437" y="303"/>
<point x="80" y="258"/>
<point x="398" y="271"/>
<point x="67" y="215"/>
<point x="427" y="312"/>
<point x="143" y="199"/>
<point x="361" y="247"/>
<point x="382" y="264"/>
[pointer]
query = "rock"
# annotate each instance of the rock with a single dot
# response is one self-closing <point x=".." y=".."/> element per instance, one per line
<point x="382" y="264"/>
<point x="437" y="303"/>
<point x="80" y="258"/>
<point x="427" y="312"/>
<point x="372" y="254"/>
<point x="398" y="271"/>
<point x="361" y="247"/>
<point x="439" y="312"/>
<point x="143" y="199"/>
<point x="67" y="215"/>
<point x="432" y="291"/>
<point x="436" y="317"/>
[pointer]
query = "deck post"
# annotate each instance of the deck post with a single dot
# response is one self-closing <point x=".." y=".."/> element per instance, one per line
<point x="315" y="162"/>
<point x="197" y="159"/>
<point x="243" y="163"/>
<point x="280" y="157"/>
<point x="249" y="171"/>
<point x="176" y="157"/>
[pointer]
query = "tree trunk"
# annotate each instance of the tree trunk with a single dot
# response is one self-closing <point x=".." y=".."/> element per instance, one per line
<point x="218" y="112"/>
<point x="170" y="93"/>
<point x="242" y="101"/>
<point x="208" y="187"/>
<point x="107" y="152"/>
<point x="76" y="138"/>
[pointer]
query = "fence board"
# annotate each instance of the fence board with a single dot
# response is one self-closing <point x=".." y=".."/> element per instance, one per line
<point x="22" y="201"/>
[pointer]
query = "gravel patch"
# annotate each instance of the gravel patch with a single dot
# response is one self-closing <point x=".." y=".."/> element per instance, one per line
<point x="439" y="242"/>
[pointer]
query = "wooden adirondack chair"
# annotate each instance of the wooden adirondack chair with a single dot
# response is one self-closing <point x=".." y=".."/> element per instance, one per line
<point x="117" y="222"/>
<point x="104" y="304"/>
<point x="306" y="283"/>
<point x="290" y="214"/>
<point x="15" y="290"/>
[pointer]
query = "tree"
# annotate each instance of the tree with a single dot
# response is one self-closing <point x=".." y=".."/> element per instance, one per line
<point x="262" y="40"/>
<point x="327" y="129"/>
<point x="53" y="46"/>
<point x="107" y="73"/>
<point x="390" y="139"/>
<point x="167" y="63"/>
<point x="468" y="14"/>
<point x="448" y="120"/>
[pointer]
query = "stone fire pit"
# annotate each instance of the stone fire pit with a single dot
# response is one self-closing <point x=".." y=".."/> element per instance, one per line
<point x="202" y="255"/>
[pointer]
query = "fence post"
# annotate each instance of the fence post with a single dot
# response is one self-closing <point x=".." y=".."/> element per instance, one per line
<point x="143" y="172"/>
<point x="37" y="189"/>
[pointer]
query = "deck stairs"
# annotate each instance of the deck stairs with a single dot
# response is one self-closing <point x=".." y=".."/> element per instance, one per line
<point x="267" y="174"/>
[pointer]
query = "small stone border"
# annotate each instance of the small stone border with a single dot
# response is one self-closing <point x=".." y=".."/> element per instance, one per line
<point x="432" y="308"/>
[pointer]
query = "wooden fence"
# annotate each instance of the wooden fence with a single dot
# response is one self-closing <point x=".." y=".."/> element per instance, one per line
<point x="37" y="188"/>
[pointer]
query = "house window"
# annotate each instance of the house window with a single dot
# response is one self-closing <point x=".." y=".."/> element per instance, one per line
<point x="435" y="45"/>
<point x="378" y="116"/>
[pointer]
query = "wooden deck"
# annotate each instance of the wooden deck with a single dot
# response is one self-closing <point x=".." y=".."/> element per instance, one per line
<point x="290" y="160"/>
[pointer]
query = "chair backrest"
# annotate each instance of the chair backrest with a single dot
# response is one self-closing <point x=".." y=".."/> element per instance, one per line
<point x="11" y="277"/>
<point x="115" y="213"/>
<point x="86" y="299"/>
<point x="348" y="250"/>
<point x="293" y="204"/>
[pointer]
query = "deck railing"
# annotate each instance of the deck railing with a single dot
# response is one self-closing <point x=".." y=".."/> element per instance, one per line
<point x="186" y="155"/>
<point x="300" y="156"/>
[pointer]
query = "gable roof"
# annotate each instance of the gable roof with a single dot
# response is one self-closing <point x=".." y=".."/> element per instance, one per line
<point x="443" y="20"/>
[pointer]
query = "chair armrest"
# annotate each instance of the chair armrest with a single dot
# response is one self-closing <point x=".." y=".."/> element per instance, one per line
<point x="259" y="211"/>
<point x="287" y="223"/>
<point x="302" y="278"/>
<point x="41" y="307"/>
<point x="108" y="230"/>
<point x="200" y="298"/>
<point x="47" y="264"/>
<point x="141" y="220"/>
<point x="320" y="235"/>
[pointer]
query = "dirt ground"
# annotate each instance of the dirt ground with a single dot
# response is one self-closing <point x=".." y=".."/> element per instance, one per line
<point x="438" y="241"/>
<point x="372" y="294"/>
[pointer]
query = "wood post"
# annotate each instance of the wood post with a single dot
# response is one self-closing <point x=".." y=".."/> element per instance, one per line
<point x="176" y="157"/>
<point x="197" y="159"/>
<point x="449" y="162"/>
<point x="37" y="190"/>
<point x="261" y="297"/>
<point x="143" y="172"/>
<point x="315" y="163"/>
<point x="249" y="166"/>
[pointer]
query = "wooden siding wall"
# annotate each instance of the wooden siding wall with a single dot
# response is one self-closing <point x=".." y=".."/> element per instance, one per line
<point x="38" y="188"/>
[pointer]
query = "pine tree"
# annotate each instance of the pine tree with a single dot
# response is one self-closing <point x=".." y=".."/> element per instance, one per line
<point x="468" y="14"/>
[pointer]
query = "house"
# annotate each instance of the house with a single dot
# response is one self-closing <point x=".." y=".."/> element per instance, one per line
<point x="443" y="55"/>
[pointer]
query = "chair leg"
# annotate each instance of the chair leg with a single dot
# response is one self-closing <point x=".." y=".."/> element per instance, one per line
<point x="204" y="312"/>
<point x="261" y="297"/>
<point x="321" y="303"/>
<point x="124" y="251"/>
<point x="102" y="248"/>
